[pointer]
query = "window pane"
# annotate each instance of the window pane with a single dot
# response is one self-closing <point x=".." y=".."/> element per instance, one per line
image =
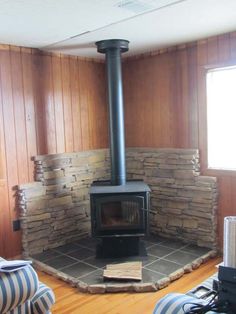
<point x="221" y="118"/>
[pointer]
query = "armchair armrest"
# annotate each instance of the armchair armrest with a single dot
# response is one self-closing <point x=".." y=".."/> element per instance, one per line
<point x="43" y="300"/>
<point x="17" y="287"/>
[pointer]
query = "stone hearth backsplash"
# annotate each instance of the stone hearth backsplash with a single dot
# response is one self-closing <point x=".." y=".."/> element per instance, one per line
<point x="55" y="209"/>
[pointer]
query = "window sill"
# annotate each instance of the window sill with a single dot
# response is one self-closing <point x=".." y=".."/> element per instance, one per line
<point x="218" y="172"/>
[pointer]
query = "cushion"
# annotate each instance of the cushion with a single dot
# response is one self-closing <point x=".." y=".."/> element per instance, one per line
<point x="43" y="300"/>
<point x="17" y="287"/>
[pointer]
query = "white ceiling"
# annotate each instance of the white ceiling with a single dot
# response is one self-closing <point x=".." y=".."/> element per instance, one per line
<point x="73" y="26"/>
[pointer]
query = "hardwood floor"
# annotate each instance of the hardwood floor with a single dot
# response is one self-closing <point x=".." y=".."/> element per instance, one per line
<point x="70" y="301"/>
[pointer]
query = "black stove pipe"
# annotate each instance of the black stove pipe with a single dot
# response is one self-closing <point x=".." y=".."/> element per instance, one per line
<point x="113" y="49"/>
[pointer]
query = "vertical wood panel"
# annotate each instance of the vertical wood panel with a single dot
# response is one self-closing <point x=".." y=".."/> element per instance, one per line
<point x="19" y="115"/>
<point x="68" y="121"/>
<point x="130" y="104"/>
<point x="30" y="124"/>
<point x="5" y="221"/>
<point x="101" y="106"/>
<point x="183" y="105"/>
<point x="92" y="104"/>
<point x="37" y="99"/>
<point x="202" y="110"/>
<point x="127" y="107"/>
<point x="146" y="106"/>
<point x="225" y="202"/>
<point x="48" y="103"/>
<point x="174" y="96"/>
<point x="224" y="48"/>
<point x="233" y="46"/>
<point x="58" y="100"/>
<point x="10" y="141"/>
<point x="166" y="126"/>
<point x="5" y="218"/>
<point x="193" y="97"/>
<point x="97" y="105"/>
<point x="155" y="80"/>
<point x="84" y="109"/>
<point x="76" y="119"/>
<point x="212" y="50"/>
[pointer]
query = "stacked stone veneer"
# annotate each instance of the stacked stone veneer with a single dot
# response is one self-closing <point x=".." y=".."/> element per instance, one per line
<point x="183" y="203"/>
<point x="55" y="208"/>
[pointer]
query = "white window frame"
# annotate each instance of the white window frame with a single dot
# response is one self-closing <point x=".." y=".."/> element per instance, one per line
<point x="221" y="118"/>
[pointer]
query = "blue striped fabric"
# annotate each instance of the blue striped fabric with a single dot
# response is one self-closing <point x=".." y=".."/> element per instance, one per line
<point x="43" y="300"/>
<point x="173" y="303"/>
<point x="16" y="288"/>
<point x="24" y="308"/>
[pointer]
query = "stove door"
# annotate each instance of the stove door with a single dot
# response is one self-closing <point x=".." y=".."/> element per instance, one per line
<point x="120" y="214"/>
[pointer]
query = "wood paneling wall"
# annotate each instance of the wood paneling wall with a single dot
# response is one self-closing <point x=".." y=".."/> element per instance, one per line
<point x="165" y="99"/>
<point x="48" y="104"/>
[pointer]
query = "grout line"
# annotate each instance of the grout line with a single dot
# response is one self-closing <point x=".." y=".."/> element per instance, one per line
<point x="84" y="246"/>
<point x="79" y="260"/>
<point x="79" y="247"/>
<point x="156" y="272"/>
<point x="61" y="269"/>
<point x="75" y="258"/>
<point x="91" y="265"/>
<point x="81" y="277"/>
<point x="66" y="254"/>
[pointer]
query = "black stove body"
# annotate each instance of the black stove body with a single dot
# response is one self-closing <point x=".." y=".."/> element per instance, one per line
<point x="119" y="216"/>
<point x="119" y="208"/>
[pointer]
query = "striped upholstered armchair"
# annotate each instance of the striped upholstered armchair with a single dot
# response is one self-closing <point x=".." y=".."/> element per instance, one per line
<point x="22" y="293"/>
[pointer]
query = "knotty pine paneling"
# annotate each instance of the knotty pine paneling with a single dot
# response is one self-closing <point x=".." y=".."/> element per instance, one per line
<point x="48" y="104"/>
<point x="165" y="99"/>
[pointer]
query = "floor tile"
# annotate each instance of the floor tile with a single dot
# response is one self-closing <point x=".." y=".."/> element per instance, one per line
<point x="154" y="239"/>
<point x="70" y="247"/>
<point x="181" y="257"/>
<point x="164" y="267"/>
<point x="60" y="261"/>
<point x="173" y="244"/>
<point x="81" y="253"/>
<point x="79" y="269"/>
<point x="144" y="259"/>
<point x="93" y="278"/>
<point x="88" y="242"/>
<point x="151" y="276"/>
<point x="46" y="255"/>
<point x="147" y="244"/>
<point x="159" y="251"/>
<point x="100" y="262"/>
<point x="196" y="250"/>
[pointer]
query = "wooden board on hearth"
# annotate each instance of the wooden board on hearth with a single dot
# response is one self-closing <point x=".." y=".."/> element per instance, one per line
<point x="123" y="271"/>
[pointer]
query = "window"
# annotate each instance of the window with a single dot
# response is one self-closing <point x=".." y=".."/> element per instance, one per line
<point x="221" y="118"/>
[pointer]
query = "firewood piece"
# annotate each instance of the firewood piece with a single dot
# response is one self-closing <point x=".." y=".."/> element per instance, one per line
<point x="124" y="271"/>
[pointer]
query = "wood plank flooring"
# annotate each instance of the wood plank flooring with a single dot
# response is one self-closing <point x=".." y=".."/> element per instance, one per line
<point x="70" y="301"/>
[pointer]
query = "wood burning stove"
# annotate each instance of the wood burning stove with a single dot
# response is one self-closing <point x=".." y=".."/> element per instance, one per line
<point x="119" y="216"/>
<point x="119" y="208"/>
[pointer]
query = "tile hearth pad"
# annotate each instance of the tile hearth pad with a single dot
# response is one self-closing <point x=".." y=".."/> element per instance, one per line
<point x="166" y="261"/>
